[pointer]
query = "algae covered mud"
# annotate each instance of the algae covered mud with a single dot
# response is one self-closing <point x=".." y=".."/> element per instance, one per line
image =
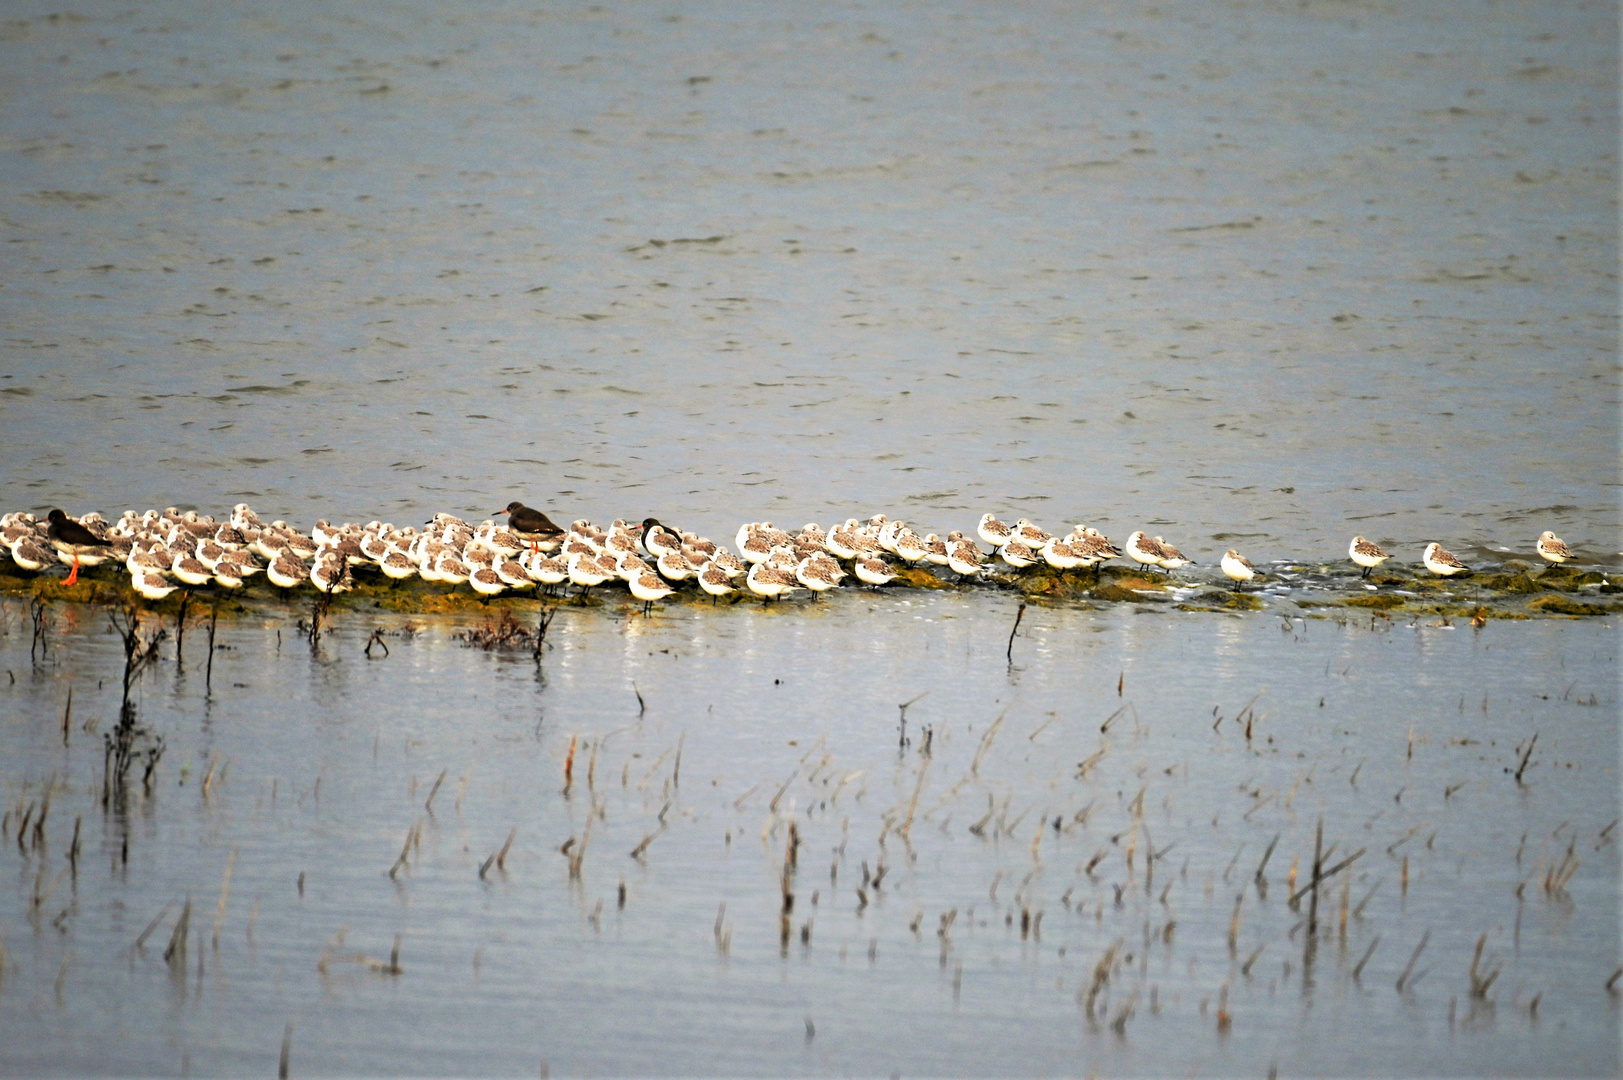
<point x="790" y="842"/>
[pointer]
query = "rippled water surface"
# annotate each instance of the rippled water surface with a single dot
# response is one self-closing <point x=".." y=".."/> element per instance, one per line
<point x="1278" y="273"/>
<point x="1244" y="274"/>
<point x="692" y="742"/>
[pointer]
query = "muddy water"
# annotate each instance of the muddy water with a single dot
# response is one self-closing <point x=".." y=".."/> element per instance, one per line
<point x="1014" y="827"/>
<point x="1248" y="274"/>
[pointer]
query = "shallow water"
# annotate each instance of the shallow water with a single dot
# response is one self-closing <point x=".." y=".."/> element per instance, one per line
<point x="1249" y="274"/>
<point x="1246" y="275"/>
<point x="319" y="762"/>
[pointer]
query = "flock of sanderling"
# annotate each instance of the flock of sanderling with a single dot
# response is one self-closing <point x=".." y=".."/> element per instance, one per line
<point x="166" y="550"/>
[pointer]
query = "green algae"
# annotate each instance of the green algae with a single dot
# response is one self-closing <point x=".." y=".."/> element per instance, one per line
<point x="1379" y="601"/>
<point x="1221" y="600"/>
<point x="1561" y="605"/>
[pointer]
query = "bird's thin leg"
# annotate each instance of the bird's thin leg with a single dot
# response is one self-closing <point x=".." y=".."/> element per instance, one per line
<point x="73" y="577"/>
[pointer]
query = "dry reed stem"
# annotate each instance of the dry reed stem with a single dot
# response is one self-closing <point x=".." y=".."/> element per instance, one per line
<point x="225" y="894"/>
<point x="1409" y="968"/>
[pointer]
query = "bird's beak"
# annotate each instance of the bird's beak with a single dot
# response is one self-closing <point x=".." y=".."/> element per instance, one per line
<point x="499" y="511"/>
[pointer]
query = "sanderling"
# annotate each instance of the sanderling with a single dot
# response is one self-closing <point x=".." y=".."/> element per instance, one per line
<point x="189" y="570"/>
<point x="728" y="563"/>
<point x="486" y="582"/>
<point x="1441" y="562"/>
<point x="226" y="576"/>
<point x="1552" y="548"/>
<point x="964" y="558"/>
<point x="1060" y="555"/>
<point x="993" y="531"/>
<point x="768" y="581"/>
<point x="1237" y="566"/>
<point x="819" y="574"/>
<point x="397" y="567"/>
<point x="330" y="575"/>
<point x="1029" y="534"/>
<point x="841" y="541"/>
<point x="151" y="585"/>
<point x="1366" y="554"/>
<point x="936" y="550"/>
<point x="585" y="572"/>
<point x="673" y="565"/>
<point x="1171" y="558"/>
<point x="27" y="553"/>
<point x="715" y="581"/>
<point x="286" y="572"/>
<point x="910" y="546"/>
<point x="874" y="571"/>
<point x="545" y="570"/>
<point x="1141" y="549"/>
<point x="452" y="570"/>
<point x="648" y="588"/>
<point x="1017" y="554"/>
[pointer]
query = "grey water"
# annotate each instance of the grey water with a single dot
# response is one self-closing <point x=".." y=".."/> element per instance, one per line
<point x="1247" y="273"/>
<point x="1241" y="274"/>
<point x="1011" y="824"/>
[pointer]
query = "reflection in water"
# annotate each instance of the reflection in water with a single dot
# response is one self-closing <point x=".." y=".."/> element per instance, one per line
<point x="1054" y="873"/>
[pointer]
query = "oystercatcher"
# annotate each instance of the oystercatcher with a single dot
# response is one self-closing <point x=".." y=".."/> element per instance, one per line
<point x="71" y="538"/>
<point x="532" y="525"/>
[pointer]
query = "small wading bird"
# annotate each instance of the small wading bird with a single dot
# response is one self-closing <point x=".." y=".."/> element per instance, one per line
<point x="1237" y="567"/>
<point x="1552" y="548"/>
<point x="1366" y="554"/>
<point x="71" y="538"/>
<point x="1442" y="563"/>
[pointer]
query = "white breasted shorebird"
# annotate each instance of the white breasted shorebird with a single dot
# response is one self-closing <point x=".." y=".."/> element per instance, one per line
<point x="648" y="588"/>
<point x="1237" y="567"/>
<point x="397" y="567"/>
<point x="1142" y="550"/>
<point x="452" y="570"/>
<point x="770" y="582"/>
<point x="189" y="570"/>
<point x="910" y="546"/>
<point x="286" y="572"/>
<point x="1441" y="562"/>
<point x="1171" y="558"/>
<point x="1017" y="554"/>
<point x="486" y="582"/>
<point x="1366" y="554"/>
<point x="547" y="570"/>
<point x="28" y="553"/>
<point x="585" y="572"/>
<point x="1029" y="534"/>
<point x="715" y="581"/>
<point x="151" y="585"/>
<point x="1551" y="548"/>
<point x="993" y="531"/>
<point x="819" y="573"/>
<point x="673" y="565"/>
<point x="964" y="558"/>
<point x="873" y="571"/>
<point x="1059" y="554"/>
